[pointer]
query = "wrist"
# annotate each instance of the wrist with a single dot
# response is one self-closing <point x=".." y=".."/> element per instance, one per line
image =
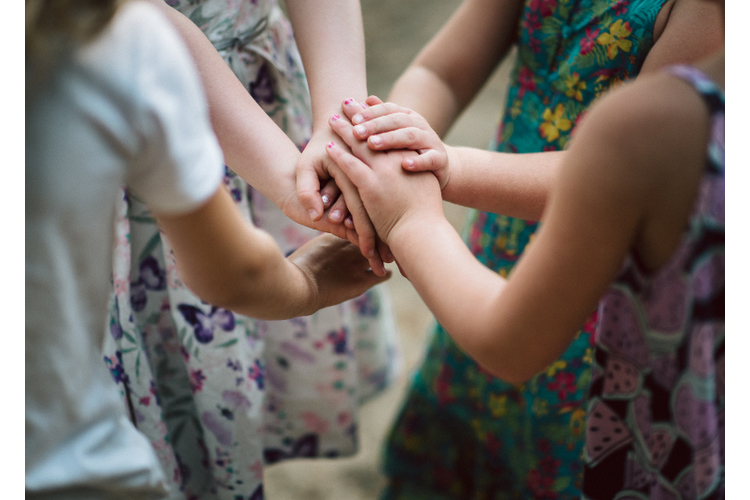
<point x="409" y="230"/>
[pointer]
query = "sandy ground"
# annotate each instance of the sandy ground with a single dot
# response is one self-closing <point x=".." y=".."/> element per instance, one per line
<point x="394" y="31"/>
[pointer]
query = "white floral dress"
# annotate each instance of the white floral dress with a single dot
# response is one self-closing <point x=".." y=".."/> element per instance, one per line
<point x="218" y="394"/>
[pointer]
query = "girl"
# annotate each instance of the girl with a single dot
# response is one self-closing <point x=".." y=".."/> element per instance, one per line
<point x="112" y="99"/>
<point x="220" y="395"/>
<point x="652" y="223"/>
<point x="508" y="440"/>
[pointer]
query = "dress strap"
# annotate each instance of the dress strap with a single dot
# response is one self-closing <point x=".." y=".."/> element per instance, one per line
<point x="702" y="83"/>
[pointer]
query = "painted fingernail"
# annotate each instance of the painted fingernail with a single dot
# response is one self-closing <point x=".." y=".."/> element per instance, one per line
<point x="330" y="144"/>
<point x="360" y="129"/>
<point x="313" y="213"/>
<point x="410" y="163"/>
<point x="376" y="141"/>
<point x="349" y="222"/>
<point x="358" y="118"/>
<point x="336" y="215"/>
<point x="326" y="199"/>
<point x="335" y="117"/>
<point x="349" y="101"/>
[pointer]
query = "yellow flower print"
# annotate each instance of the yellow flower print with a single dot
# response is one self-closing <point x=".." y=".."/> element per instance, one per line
<point x="575" y="86"/>
<point x="554" y="123"/>
<point x="557" y="365"/>
<point x="497" y="405"/>
<point x="616" y="38"/>
<point x="577" y="421"/>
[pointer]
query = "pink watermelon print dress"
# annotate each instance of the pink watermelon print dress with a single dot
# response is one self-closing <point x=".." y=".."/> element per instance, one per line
<point x="655" y="422"/>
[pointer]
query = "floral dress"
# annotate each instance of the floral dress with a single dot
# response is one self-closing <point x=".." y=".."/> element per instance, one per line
<point x="655" y="423"/>
<point x="463" y="433"/>
<point x="218" y="394"/>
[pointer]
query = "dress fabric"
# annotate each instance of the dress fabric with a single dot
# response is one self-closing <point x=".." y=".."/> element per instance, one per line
<point x="221" y="395"/>
<point x="461" y="432"/>
<point x="655" y="423"/>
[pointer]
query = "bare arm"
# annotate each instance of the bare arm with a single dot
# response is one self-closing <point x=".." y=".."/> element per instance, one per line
<point x="595" y="216"/>
<point x="237" y="266"/>
<point x="453" y="66"/>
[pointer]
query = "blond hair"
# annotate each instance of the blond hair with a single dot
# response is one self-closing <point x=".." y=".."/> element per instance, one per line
<point x="56" y="27"/>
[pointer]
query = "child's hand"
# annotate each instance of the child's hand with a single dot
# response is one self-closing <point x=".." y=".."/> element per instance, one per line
<point x="335" y="271"/>
<point x="312" y="167"/>
<point x="390" y="126"/>
<point x="391" y="195"/>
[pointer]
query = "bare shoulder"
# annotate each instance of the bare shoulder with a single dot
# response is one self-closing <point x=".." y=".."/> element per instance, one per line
<point x="649" y="127"/>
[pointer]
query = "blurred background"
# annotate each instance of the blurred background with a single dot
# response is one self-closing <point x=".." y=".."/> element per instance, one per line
<point x="395" y="30"/>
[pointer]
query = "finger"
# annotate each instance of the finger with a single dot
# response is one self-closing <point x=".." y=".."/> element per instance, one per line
<point x="343" y="129"/>
<point x="338" y="211"/>
<point x="354" y="169"/>
<point x="362" y="115"/>
<point x="430" y="161"/>
<point x="387" y="123"/>
<point x="360" y="219"/>
<point x="329" y="193"/>
<point x="373" y="100"/>
<point x="403" y="138"/>
<point x="385" y="251"/>
<point x="308" y="191"/>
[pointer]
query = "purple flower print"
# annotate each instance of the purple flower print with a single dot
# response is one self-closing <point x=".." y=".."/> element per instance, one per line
<point x="203" y="324"/>
<point x="338" y="339"/>
<point x="150" y="277"/>
<point x="262" y="88"/>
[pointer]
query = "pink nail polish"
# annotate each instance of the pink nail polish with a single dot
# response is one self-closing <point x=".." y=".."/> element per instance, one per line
<point x="335" y="117"/>
<point x="348" y="101"/>
<point x="330" y="144"/>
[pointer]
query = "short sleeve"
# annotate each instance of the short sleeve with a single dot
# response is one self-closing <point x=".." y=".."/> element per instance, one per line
<point x="179" y="164"/>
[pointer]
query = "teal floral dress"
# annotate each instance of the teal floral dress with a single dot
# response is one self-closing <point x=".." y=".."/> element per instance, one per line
<point x="221" y="395"/>
<point x="461" y="432"/>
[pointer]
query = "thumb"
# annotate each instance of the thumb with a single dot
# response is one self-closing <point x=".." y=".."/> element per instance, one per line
<point x="308" y="190"/>
<point x="353" y="168"/>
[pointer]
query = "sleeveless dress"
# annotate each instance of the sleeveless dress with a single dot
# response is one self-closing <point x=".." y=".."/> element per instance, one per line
<point x="463" y="433"/>
<point x="655" y="425"/>
<point x="218" y="394"/>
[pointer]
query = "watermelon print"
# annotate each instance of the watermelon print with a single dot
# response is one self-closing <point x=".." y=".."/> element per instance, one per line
<point x="670" y="325"/>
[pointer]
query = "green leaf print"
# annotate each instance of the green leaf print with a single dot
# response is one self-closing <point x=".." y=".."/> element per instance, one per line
<point x="228" y="343"/>
<point x="150" y="246"/>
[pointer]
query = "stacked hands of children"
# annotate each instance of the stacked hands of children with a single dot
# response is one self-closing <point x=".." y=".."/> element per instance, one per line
<point x="391" y="148"/>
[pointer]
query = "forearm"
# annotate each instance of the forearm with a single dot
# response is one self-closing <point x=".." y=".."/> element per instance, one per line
<point x="254" y="147"/>
<point x="516" y="185"/>
<point x="330" y="39"/>
<point x="235" y="265"/>
<point x="447" y="74"/>
<point x="462" y="293"/>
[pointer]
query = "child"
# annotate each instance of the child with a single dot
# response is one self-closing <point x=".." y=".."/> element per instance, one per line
<point x="112" y="99"/>
<point x="510" y="441"/>
<point x="280" y="375"/>
<point x="652" y="223"/>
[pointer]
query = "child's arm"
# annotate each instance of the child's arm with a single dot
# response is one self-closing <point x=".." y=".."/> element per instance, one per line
<point x="511" y="184"/>
<point x="253" y="145"/>
<point x="595" y="215"/>
<point x="234" y="265"/>
<point x="449" y="71"/>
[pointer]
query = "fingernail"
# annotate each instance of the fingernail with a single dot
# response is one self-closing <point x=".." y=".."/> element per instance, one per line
<point x="330" y="144"/>
<point x="360" y="129"/>
<point x="371" y="253"/>
<point x="326" y="199"/>
<point x="313" y="213"/>
<point x="349" y="222"/>
<point x="348" y="101"/>
<point x="410" y="163"/>
<point x="358" y="118"/>
<point x="377" y="141"/>
<point x="335" y="117"/>
<point x="336" y="215"/>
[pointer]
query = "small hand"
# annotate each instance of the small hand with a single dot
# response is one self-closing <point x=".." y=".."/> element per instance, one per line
<point x="335" y="270"/>
<point x="313" y="165"/>
<point x="389" y="126"/>
<point x="390" y="194"/>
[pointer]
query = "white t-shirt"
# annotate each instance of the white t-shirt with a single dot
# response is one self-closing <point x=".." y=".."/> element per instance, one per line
<point x="129" y="110"/>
